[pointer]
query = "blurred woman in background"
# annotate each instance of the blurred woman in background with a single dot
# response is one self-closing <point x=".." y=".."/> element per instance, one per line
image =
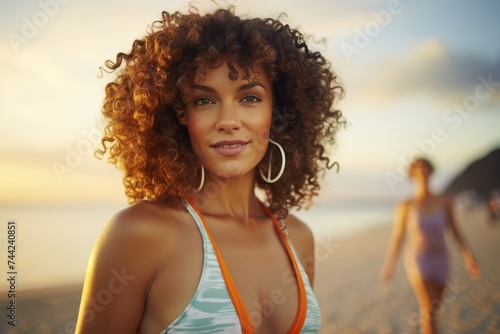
<point x="424" y="218"/>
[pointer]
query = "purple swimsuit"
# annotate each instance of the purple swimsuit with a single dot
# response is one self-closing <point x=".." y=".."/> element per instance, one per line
<point x="426" y="256"/>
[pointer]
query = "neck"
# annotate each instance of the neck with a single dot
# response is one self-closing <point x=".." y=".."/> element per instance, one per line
<point x="229" y="197"/>
<point x="422" y="190"/>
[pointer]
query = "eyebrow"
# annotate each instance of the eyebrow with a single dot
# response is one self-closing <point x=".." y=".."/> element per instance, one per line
<point x="239" y="89"/>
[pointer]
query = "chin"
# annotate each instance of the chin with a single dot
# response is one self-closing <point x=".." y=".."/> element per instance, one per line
<point x="233" y="170"/>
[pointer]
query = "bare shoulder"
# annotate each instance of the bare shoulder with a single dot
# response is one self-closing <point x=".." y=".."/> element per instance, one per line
<point x="302" y="239"/>
<point x="404" y="205"/>
<point x="125" y="259"/>
<point x="143" y="230"/>
<point x="301" y="235"/>
<point x="297" y="226"/>
<point x="144" y="218"/>
<point x="401" y="209"/>
<point x="142" y="222"/>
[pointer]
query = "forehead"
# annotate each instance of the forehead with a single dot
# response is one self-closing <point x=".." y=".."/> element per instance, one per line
<point x="222" y="71"/>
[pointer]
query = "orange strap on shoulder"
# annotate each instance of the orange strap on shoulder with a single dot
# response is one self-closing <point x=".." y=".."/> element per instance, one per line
<point x="302" y="307"/>
<point x="246" y="324"/>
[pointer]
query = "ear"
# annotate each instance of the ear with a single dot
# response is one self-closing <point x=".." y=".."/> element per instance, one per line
<point x="182" y="117"/>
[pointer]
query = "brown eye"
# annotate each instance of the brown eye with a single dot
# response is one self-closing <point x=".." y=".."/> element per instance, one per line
<point x="203" y="101"/>
<point x="251" y="98"/>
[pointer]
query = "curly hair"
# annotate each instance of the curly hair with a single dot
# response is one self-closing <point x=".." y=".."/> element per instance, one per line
<point x="145" y="133"/>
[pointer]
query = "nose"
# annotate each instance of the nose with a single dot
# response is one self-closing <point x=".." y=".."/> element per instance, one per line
<point x="228" y="119"/>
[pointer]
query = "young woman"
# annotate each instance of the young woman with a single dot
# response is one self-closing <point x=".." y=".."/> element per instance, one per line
<point x="425" y="218"/>
<point x="206" y="110"/>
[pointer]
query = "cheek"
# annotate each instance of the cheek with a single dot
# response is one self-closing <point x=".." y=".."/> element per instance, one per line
<point x="262" y="124"/>
<point x="261" y="127"/>
<point x="266" y="128"/>
<point x="197" y="133"/>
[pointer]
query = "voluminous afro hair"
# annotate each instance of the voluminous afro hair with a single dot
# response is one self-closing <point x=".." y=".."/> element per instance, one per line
<point x="145" y="134"/>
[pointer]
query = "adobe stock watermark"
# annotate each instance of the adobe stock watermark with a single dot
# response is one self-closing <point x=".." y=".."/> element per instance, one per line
<point x="452" y="118"/>
<point x="30" y="26"/>
<point x="103" y="297"/>
<point x="364" y="36"/>
<point x="75" y="154"/>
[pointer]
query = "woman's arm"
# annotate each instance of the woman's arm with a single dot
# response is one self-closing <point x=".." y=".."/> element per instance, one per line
<point x="119" y="272"/>
<point x="470" y="262"/>
<point x="395" y="242"/>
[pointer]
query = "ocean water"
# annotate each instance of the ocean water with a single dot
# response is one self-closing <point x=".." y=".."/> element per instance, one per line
<point x="342" y="220"/>
<point x="53" y="244"/>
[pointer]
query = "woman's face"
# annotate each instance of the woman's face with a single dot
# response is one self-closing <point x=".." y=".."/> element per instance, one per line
<point x="420" y="171"/>
<point x="229" y="120"/>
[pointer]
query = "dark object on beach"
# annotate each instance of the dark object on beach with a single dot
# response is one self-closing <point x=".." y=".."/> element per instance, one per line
<point x="482" y="175"/>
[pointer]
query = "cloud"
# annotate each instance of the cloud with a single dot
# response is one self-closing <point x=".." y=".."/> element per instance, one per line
<point x="428" y="69"/>
<point x="432" y="68"/>
<point x="320" y="18"/>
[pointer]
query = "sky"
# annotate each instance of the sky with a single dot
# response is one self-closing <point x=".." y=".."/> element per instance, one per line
<point x="421" y="77"/>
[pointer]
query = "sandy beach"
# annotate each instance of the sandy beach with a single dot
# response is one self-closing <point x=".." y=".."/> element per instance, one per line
<point x="351" y="297"/>
<point x="353" y="300"/>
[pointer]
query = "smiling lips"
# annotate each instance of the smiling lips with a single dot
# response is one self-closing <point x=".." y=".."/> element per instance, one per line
<point x="229" y="148"/>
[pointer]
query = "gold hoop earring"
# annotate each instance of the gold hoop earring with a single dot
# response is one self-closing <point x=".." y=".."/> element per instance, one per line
<point x="282" y="168"/>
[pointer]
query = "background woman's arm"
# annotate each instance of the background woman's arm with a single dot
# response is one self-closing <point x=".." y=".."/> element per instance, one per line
<point x="395" y="242"/>
<point x="470" y="262"/>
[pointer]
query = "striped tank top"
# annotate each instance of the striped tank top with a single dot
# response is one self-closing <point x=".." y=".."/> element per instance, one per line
<point x="216" y="306"/>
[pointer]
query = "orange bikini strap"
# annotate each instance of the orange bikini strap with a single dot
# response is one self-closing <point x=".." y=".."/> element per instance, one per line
<point x="302" y="307"/>
<point x="246" y="324"/>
